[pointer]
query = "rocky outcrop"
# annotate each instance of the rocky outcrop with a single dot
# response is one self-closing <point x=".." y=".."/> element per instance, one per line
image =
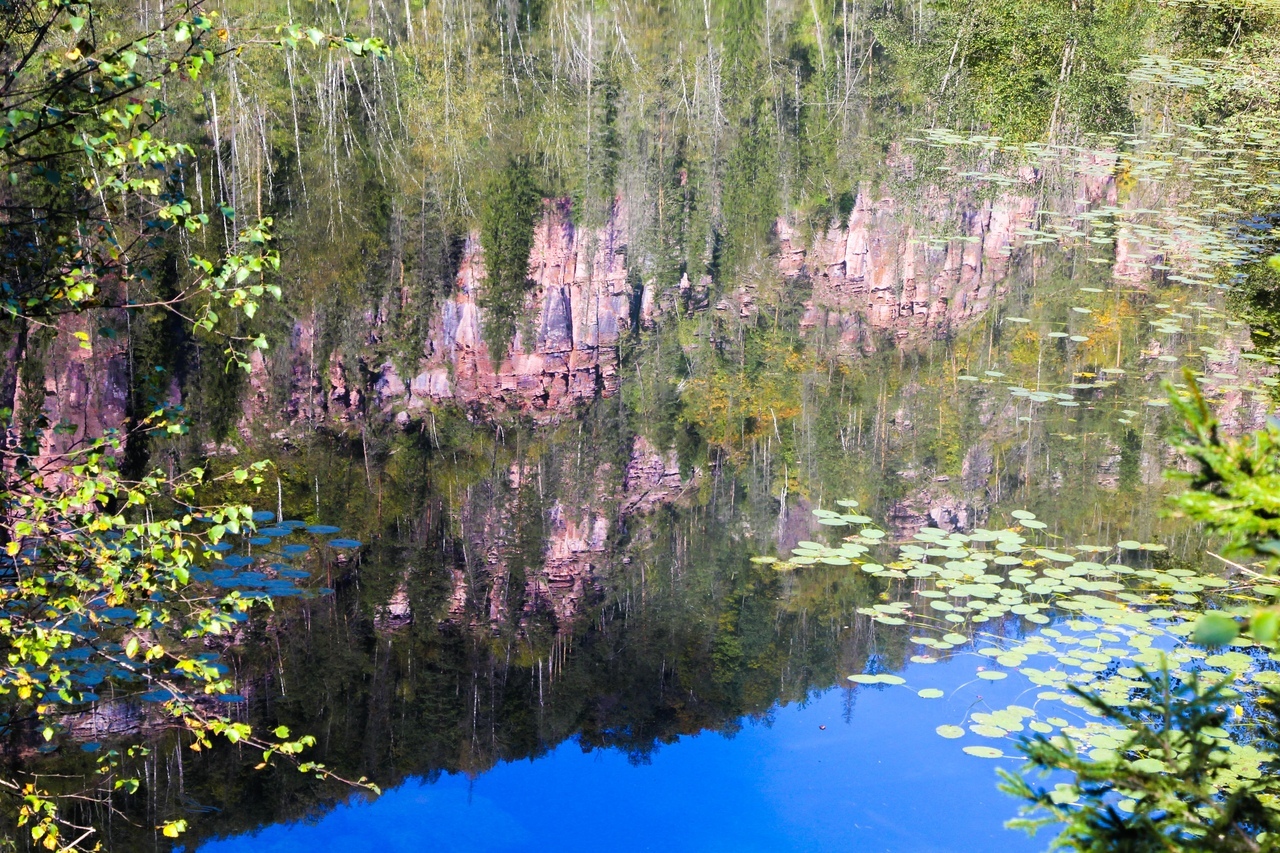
<point x="397" y="612"/>
<point x="576" y="545"/>
<point x="565" y="350"/>
<point x="934" y="508"/>
<point x="882" y="275"/>
<point x="576" y="548"/>
<point x="653" y="478"/>
<point x="82" y="389"/>
<point x="893" y="270"/>
<point x="105" y="719"/>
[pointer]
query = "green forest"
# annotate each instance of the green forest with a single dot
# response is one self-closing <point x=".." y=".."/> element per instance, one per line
<point x="402" y="392"/>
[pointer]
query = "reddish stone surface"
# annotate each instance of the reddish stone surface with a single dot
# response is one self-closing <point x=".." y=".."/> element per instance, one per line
<point x="579" y="304"/>
<point x="880" y="274"/>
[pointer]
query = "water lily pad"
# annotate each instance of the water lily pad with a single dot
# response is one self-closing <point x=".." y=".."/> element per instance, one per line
<point x="950" y="732"/>
<point x="865" y="679"/>
<point x="989" y="730"/>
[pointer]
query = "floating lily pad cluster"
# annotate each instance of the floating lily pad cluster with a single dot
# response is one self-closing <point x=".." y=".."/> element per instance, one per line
<point x="1086" y="615"/>
<point x="258" y="564"/>
<point x="1218" y="370"/>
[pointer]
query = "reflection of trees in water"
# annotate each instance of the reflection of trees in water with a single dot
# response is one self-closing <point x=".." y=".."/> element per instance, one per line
<point x="1256" y="300"/>
<point x="678" y="631"/>
<point x="673" y="630"/>
<point x="460" y="695"/>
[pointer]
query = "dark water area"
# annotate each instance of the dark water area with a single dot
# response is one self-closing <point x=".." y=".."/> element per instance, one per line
<point x="831" y="773"/>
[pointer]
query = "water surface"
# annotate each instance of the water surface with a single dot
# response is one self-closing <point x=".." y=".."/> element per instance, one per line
<point x="827" y="774"/>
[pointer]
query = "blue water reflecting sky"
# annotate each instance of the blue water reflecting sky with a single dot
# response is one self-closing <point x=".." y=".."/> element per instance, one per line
<point x="883" y="781"/>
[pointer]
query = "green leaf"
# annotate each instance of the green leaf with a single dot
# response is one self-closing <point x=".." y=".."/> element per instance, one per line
<point x="1265" y="625"/>
<point x="1215" y="629"/>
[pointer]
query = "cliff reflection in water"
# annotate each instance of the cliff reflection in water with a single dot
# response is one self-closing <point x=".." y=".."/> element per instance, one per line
<point x="521" y="586"/>
<point x="526" y="583"/>
<point x="539" y="604"/>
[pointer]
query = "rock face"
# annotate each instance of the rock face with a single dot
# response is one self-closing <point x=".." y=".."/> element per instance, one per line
<point x="576" y="551"/>
<point x="398" y="610"/>
<point x="877" y="274"/>
<point x="892" y="271"/>
<point x="113" y="717"/>
<point x="652" y="478"/>
<point x="932" y="508"/>
<point x="83" y="392"/>
<point x="576" y="548"/>
<point x="881" y="274"/>
<point x="565" y="350"/>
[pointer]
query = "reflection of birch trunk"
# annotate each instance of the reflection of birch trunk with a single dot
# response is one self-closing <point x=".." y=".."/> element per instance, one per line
<point x="217" y="155"/>
<point x="1064" y="74"/>
<point x="847" y="58"/>
<point x="955" y="48"/>
<point x="297" y="133"/>
<point x="817" y="34"/>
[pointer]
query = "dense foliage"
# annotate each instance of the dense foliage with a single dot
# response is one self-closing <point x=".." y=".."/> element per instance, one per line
<point x="1171" y="797"/>
<point x="508" y="210"/>
<point x="97" y="584"/>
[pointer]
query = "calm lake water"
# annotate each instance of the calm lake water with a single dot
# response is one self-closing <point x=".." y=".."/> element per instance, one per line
<point x="575" y="636"/>
<point x="827" y="774"/>
<point x="571" y="640"/>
